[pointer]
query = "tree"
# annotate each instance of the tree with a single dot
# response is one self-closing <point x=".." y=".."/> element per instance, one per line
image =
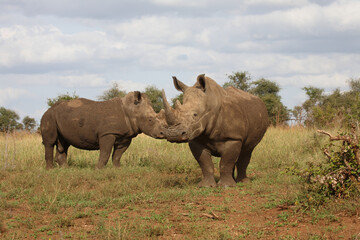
<point x="354" y="85"/>
<point x="62" y="97"/>
<point x="264" y="87"/>
<point x="29" y="123"/>
<point x="8" y="120"/>
<point x="299" y="114"/>
<point x="337" y="109"/>
<point x="240" y="80"/>
<point x="113" y="92"/>
<point x="178" y="97"/>
<point x="155" y="97"/>
<point x="267" y="90"/>
<point x="315" y="96"/>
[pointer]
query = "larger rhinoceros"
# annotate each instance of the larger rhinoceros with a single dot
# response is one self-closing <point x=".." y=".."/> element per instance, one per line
<point x="226" y="123"/>
<point x="93" y="125"/>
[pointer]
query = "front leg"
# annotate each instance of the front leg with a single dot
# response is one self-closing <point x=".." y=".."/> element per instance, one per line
<point x="105" y="143"/>
<point x="119" y="149"/>
<point x="230" y="152"/>
<point x="203" y="157"/>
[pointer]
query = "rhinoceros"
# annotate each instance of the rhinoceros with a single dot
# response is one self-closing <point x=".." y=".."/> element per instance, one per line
<point x="226" y="123"/>
<point x="94" y="125"/>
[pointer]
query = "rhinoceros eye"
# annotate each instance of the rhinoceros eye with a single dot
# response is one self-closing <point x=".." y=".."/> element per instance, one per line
<point x="195" y="114"/>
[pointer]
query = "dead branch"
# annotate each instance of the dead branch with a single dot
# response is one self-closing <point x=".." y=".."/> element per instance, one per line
<point x="326" y="152"/>
<point x="334" y="138"/>
<point x="212" y="215"/>
<point x="353" y="141"/>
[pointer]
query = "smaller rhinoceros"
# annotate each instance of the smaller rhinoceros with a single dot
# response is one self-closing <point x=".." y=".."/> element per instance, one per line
<point x="93" y="125"/>
<point x="226" y="123"/>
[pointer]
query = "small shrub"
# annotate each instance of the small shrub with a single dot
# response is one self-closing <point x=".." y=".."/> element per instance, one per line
<point x="339" y="175"/>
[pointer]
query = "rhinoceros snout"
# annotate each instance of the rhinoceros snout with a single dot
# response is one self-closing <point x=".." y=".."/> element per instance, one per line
<point x="173" y="135"/>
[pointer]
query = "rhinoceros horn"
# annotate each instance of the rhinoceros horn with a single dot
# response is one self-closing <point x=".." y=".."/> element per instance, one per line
<point x="169" y="114"/>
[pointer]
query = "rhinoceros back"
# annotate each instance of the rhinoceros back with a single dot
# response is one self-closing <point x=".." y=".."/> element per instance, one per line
<point x="81" y="121"/>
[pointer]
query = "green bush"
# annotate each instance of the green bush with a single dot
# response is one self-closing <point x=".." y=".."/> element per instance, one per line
<point x="338" y="176"/>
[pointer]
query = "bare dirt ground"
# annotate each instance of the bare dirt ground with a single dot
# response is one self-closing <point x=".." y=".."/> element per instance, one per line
<point x="225" y="215"/>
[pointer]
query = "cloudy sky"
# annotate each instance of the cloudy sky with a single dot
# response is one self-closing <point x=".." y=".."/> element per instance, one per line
<point x="48" y="48"/>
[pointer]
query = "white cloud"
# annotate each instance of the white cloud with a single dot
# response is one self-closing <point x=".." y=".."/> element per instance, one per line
<point x="180" y="3"/>
<point x="129" y="86"/>
<point x="10" y="94"/>
<point x="87" y="44"/>
<point x="46" y="44"/>
<point x="328" y="81"/>
<point x="67" y="80"/>
<point x="277" y="2"/>
<point x="85" y="80"/>
<point x="38" y="44"/>
<point x="155" y="29"/>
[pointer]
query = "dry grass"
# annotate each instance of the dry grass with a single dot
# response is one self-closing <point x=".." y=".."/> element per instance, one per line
<point x="154" y="194"/>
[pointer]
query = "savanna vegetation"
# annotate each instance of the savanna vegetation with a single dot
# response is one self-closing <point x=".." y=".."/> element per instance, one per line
<point x="154" y="194"/>
<point x="304" y="184"/>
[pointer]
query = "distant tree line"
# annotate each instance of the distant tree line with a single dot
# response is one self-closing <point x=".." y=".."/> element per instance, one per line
<point x="336" y="109"/>
<point x="265" y="89"/>
<point x="9" y="121"/>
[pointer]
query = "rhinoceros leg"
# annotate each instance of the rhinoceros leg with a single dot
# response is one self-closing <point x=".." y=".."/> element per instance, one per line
<point x="106" y="144"/>
<point x="118" y="152"/>
<point x="49" y="156"/>
<point x="242" y="164"/>
<point x="61" y="152"/>
<point x="231" y="151"/>
<point x="203" y="157"/>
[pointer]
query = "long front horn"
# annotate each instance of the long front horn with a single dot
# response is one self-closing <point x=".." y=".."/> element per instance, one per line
<point x="169" y="115"/>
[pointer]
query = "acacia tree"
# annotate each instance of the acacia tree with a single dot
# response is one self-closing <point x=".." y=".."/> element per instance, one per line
<point x="337" y="109"/>
<point x="62" y="97"/>
<point x="240" y="80"/>
<point x="113" y="92"/>
<point x="177" y="98"/>
<point x="8" y="120"/>
<point x="267" y="90"/>
<point x="155" y="97"/>
<point x="29" y="123"/>
<point x="354" y="85"/>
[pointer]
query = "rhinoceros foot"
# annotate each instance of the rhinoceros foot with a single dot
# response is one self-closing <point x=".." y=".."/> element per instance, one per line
<point x="226" y="182"/>
<point x="207" y="182"/>
<point x="244" y="180"/>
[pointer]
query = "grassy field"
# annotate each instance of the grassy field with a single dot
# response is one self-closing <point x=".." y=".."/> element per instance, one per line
<point x="154" y="195"/>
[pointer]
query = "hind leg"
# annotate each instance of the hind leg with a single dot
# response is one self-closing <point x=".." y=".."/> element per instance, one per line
<point x="49" y="156"/>
<point x="242" y="164"/>
<point x="61" y="153"/>
<point x="49" y="136"/>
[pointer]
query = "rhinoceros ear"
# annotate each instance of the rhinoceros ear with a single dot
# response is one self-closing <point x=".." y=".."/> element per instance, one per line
<point x="201" y="82"/>
<point x="180" y="86"/>
<point x="137" y="97"/>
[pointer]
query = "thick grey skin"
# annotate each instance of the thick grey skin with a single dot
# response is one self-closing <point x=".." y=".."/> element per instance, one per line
<point x="226" y="123"/>
<point x="93" y="125"/>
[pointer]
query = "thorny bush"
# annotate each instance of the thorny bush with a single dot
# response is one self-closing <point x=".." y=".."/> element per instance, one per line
<point x="339" y="175"/>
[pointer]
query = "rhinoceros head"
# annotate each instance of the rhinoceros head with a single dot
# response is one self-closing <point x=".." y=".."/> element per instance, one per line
<point x="143" y="116"/>
<point x="198" y="112"/>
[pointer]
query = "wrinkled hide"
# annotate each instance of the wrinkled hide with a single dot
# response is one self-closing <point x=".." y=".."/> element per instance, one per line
<point x="93" y="125"/>
<point x="227" y="123"/>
